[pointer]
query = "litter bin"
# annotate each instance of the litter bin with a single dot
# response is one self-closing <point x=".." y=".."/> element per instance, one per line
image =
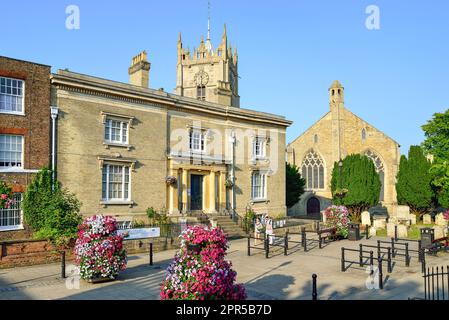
<point x="427" y="237"/>
<point x="354" y="231"/>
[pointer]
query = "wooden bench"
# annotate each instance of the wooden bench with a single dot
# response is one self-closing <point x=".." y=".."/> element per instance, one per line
<point x="326" y="233"/>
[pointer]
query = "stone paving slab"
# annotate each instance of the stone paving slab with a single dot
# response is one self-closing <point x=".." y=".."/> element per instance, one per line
<point x="279" y="277"/>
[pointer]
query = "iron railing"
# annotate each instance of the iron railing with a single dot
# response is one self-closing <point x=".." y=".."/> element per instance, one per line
<point x="436" y="283"/>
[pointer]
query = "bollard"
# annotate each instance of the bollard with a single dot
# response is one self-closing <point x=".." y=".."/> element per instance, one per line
<point x="381" y="281"/>
<point x="366" y="232"/>
<point x="395" y="233"/>
<point x="314" y="291"/>
<point x="285" y="244"/>
<point x="151" y="253"/>
<point x="390" y="267"/>
<point x="407" y="256"/>
<point x="249" y="246"/>
<point x="371" y="261"/>
<point x="63" y="264"/>
<point x="267" y="247"/>
<point x="343" y="260"/>
<point x="393" y="253"/>
<point x="320" y="239"/>
<point x="361" y="255"/>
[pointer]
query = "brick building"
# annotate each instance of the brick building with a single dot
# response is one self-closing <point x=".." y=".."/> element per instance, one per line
<point x="24" y="133"/>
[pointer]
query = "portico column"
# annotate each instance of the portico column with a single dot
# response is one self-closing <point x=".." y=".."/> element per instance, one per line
<point x="212" y="208"/>
<point x="173" y="194"/>
<point x="222" y="188"/>
<point x="185" y="185"/>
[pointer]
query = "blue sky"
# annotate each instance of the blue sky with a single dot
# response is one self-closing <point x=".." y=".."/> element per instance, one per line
<point x="289" y="51"/>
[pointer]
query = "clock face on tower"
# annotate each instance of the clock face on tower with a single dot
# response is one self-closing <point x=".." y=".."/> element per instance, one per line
<point x="201" y="78"/>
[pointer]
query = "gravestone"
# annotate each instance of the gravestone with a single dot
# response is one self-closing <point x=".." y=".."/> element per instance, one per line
<point x="413" y="218"/>
<point x="427" y="219"/>
<point x="366" y="218"/>
<point x="440" y="221"/>
<point x="402" y="231"/>
<point x="324" y="217"/>
<point x="380" y="223"/>
<point x="390" y="229"/>
<point x="402" y="212"/>
<point x="372" y="232"/>
<point x="439" y="232"/>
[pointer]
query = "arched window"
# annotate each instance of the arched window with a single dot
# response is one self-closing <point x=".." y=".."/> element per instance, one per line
<point x="315" y="138"/>
<point x="363" y="134"/>
<point x="379" y="169"/>
<point x="313" y="171"/>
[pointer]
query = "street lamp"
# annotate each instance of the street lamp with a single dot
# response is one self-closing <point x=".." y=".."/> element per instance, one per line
<point x="340" y="166"/>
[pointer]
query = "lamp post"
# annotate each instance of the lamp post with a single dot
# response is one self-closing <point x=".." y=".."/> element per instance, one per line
<point x="340" y="166"/>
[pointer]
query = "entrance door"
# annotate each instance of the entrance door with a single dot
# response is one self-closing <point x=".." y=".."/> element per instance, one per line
<point x="196" y="189"/>
<point x="313" y="206"/>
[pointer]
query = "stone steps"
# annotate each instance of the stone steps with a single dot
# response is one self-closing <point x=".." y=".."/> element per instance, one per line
<point x="228" y="226"/>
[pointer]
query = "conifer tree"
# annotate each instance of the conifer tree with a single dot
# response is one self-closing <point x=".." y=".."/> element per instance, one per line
<point x="414" y="180"/>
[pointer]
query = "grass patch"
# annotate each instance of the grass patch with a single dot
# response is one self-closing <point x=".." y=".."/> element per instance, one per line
<point x="413" y="232"/>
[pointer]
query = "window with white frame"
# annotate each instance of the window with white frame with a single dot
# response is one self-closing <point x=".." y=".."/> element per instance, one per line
<point x="258" y="148"/>
<point x="116" y="131"/>
<point x="11" y="217"/>
<point x="11" y="151"/>
<point x="196" y="140"/>
<point x="116" y="183"/>
<point x="258" y="186"/>
<point x="11" y="95"/>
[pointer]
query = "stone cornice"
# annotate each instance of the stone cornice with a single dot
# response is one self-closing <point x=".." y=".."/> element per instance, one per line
<point x="88" y="85"/>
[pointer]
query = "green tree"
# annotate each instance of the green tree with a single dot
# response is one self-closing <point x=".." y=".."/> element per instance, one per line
<point x="413" y="186"/>
<point x="440" y="182"/>
<point x="355" y="184"/>
<point x="294" y="185"/>
<point x="436" y="132"/>
<point x="52" y="213"/>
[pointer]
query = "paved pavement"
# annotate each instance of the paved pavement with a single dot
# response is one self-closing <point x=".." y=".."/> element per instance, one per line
<point x="279" y="277"/>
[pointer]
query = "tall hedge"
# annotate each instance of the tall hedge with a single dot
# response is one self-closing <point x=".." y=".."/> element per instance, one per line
<point x="355" y="185"/>
<point x="414" y="182"/>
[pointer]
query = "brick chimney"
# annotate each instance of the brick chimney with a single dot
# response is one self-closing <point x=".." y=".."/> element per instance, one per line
<point x="139" y="72"/>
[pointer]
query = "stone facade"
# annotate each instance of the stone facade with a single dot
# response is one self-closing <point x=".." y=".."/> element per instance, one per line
<point x="337" y="134"/>
<point x="168" y="136"/>
<point x="32" y="123"/>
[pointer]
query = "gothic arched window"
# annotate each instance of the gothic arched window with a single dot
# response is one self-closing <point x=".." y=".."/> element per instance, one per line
<point x="378" y="164"/>
<point x="363" y="134"/>
<point x="313" y="171"/>
<point x="315" y="138"/>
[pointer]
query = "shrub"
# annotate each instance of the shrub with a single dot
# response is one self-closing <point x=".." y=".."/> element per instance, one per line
<point x="337" y="216"/>
<point x="203" y="275"/>
<point x="99" y="250"/>
<point x="294" y="185"/>
<point x="52" y="212"/>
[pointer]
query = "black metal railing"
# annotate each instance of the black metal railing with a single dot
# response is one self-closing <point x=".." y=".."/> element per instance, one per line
<point x="436" y="283"/>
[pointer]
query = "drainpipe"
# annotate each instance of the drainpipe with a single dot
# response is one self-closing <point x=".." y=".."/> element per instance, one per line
<point x="233" y="140"/>
<point x="54" y="115"/>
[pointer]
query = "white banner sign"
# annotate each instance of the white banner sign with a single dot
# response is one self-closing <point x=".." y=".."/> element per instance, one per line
<point x="130" y="234"/>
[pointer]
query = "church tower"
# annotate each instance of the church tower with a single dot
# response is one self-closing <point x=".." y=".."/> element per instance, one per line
<point x="207" y="74"/>
<point x="336" y="104"/>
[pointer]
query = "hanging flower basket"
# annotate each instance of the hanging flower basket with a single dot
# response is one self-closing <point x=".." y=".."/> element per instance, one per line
<point x="229" y="183"/>
<point x="171" y="180"/>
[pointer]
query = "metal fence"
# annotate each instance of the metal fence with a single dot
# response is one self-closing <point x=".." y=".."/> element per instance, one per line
<point x="436" y="283"/>
<point x="12" y="217"/>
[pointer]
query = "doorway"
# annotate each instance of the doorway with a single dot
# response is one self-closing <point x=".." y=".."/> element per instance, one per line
<point x="313" y="207"/>
<point x="196" y="189"/>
